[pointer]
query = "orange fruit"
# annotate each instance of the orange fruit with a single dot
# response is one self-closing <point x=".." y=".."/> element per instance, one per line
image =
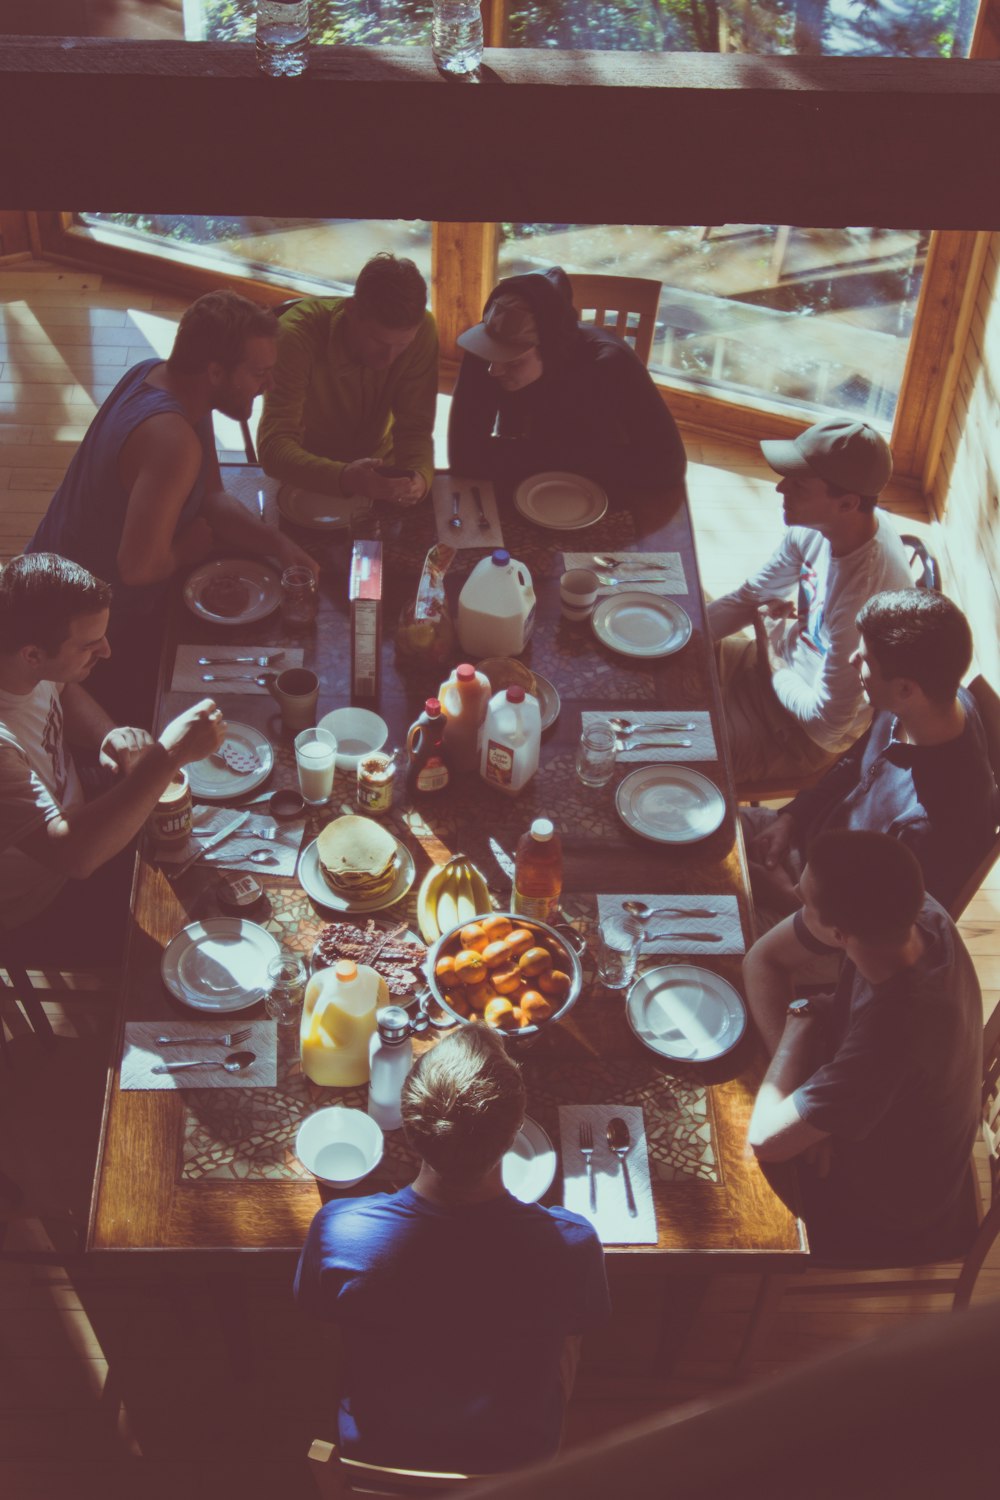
<point x="469" y="966"/>
<point x="555" y="984"/>
<point x="473" y="936"/>
<point x="506" y="980"/>
<point x="534" y="1008"/>
<point x="535" y="961"/>
<point x="496" y="927"/>
<point x="459" y="1003"/>
<point x="444" y="972"/>
<point x="495" y="954"/>
<point x="519" y="941"/>
<point x="500" y="1013"/>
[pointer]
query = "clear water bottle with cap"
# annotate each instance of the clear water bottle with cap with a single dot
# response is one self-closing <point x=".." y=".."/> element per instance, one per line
<point x="282" y="37"/>
<point x="457" y="38"/>
<point x="391" y="1057"/>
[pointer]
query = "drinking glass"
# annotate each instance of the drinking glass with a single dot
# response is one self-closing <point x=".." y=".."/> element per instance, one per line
<point x="299" y="597"/>
<point x="595" y="755"/>
<point x="315" y="761"/>
<point x="615" y="944"/>
<point x="286" y="987"/>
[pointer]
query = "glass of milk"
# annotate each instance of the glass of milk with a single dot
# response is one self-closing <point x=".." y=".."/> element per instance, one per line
<point x="315" y="759"/>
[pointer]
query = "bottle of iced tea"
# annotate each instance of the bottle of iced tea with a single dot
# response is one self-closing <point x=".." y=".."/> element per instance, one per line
<point x="538" y="872"/>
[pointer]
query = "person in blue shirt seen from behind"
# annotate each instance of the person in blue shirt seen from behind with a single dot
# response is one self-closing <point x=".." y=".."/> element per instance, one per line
<point x="461" y="1309"/>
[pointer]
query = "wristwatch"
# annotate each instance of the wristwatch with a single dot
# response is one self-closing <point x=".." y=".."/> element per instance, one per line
<point x="800" y="1008"/>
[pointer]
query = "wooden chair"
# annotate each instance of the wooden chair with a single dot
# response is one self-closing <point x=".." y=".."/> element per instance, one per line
<point x="923" y="565"/>
<point x="627" y="305"/>
<point x="988" y="704"/>
<point x="18" y="985"/>
<point x="249" y="447"/>
<point x="335" y="1475"/>
<point x="959" y="1281"/>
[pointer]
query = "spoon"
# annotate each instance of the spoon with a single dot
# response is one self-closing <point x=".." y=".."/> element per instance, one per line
<point x="644" y="911"/>
<point x="245" y="661"/>
<point x="236" y="1062"/>
<point x="633" y="560"/>
<point x="256" y="856"/>
<point x="621" y="1143"/>
<point x="630" y="726"/>
<point x="456" y="519"/>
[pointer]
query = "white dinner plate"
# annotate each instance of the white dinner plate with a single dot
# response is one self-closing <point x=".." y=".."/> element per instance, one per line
<point x="210" y="780"/>
<point x="560" y="502"/>
<point x="670" y="804"/>
<point x="218" y="965"/>
<point x="529" y="1167"/>
<point x="316" y="512"/>
<point x="548" y="701"/>
<point x="686" y="1013"/>
<point x="313" y="883"/>
<point x="262" y="584"/>
<point x="638" y="624"/>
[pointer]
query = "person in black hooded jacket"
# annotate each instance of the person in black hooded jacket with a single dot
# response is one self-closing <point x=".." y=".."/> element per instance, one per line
<point x="567" y="397"/>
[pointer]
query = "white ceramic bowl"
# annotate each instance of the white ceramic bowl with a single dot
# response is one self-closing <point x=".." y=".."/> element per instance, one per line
<point x="339" y="1145"/>
<point x="357" y="731"/>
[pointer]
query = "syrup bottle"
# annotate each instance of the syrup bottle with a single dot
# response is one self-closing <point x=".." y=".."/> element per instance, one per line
<point x="427" y="767"/>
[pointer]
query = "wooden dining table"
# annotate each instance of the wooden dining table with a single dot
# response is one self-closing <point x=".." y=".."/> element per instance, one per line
<point x="192" y="1170"/>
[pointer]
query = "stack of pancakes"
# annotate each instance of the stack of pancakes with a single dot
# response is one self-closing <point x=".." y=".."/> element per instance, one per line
<point x="358" y="858"/>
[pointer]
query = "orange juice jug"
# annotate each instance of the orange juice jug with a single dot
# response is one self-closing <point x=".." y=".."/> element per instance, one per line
<point x="338" y="1022"/>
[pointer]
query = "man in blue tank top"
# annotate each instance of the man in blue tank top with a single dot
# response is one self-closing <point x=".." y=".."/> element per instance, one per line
<point x="143" y="496"/>
<point x="460" y="1308"/>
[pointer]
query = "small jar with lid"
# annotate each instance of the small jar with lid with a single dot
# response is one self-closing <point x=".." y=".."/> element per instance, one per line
<point x="299" y="597"/>
<point x="376" y="782"/>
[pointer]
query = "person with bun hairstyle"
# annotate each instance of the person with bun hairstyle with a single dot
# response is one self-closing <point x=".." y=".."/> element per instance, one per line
<point x="461" y="1309"/>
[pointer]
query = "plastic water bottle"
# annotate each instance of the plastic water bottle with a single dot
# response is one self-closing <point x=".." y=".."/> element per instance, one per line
<point x="457" y="38"/>
<point x="282" y="37"/>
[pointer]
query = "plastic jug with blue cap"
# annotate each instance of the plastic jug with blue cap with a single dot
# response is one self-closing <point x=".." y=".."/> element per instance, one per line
<point x="496" y="608"/>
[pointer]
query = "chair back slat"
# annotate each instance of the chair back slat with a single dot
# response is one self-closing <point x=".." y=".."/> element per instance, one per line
<point x="625" y="305"/>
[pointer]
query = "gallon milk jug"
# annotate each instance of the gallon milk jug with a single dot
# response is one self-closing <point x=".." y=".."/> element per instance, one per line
<point x="496" y="608"/>
<point x="512" y="736"/>
<point x="338" y="1022"/>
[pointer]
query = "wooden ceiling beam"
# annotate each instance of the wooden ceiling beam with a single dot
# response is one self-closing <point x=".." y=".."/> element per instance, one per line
<point x="554" y="137"/>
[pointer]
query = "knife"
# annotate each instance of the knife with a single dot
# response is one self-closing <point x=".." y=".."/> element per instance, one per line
<point x="231" y="661"/>
<point x="623" y="746"/>
<point x="687" y="937"/>
<point x="210" y="843"/>
<point x="504" y="861"/>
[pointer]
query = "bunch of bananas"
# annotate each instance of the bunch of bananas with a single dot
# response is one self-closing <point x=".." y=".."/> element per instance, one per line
<point x="451" y="895"/>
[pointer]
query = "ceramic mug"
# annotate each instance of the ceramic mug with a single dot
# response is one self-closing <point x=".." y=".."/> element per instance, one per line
<point x="296" y="692"/>
<point x="578" y="593"/>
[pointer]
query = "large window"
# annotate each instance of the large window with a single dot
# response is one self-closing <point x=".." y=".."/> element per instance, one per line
<point x="759" y="313"/>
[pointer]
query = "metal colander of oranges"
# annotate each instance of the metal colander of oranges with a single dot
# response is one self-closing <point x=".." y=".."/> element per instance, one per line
<point x="510" y="972"/>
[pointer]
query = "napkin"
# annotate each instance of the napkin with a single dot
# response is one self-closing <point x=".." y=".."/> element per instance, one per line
<point x="231" y="853"/>
<point x="470" y="535"/>
<point x="612" y="1220"/>
<point x="142" y="1054"/>
<point x="188" y="675"/>
<point x="702" y="739"/>
<point x="666" y="934"/>
<point x="673" y="581"/>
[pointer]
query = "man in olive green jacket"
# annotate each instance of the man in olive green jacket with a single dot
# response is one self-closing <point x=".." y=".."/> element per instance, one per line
<point x="355" y="389"/>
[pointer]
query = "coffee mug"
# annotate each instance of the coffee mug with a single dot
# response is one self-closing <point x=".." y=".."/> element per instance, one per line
<point x="296" y="692"/>
<point x="578" y="593"/>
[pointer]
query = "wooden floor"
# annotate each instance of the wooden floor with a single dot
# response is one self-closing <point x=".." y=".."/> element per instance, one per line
<point x="143" y="1379"/>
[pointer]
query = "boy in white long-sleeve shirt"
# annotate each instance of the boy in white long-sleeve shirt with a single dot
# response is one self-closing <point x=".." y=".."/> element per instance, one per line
<point x="791" y="698"/>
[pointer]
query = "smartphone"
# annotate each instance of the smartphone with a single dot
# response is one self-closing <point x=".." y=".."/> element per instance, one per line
<point x="389" y="471"/>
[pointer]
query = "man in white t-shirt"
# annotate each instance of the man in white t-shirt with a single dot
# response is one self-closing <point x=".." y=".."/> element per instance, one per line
<point x="792" y="700"/>
<point x="53" y="619"/>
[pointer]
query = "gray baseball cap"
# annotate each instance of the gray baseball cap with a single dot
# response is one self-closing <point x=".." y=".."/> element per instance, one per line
<point x="507" y="331"/>
<point x="843" y="452"/>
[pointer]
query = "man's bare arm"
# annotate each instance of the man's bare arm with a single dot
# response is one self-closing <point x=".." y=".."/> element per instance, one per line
<point x="78" y="844"/>
<point x="777" y="1131"/>
<point x="159" y="464"/>
<point x="769" y="971"/>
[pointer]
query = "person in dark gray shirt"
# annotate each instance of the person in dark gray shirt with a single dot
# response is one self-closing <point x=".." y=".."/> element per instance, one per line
<point x="922" y="772"/>
<point x="873" y="1092"/>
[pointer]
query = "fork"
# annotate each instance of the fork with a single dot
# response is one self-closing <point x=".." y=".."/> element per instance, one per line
<point x="228" y="1039"/>
<point x="630" y="580"/>
<point x="587" y="1152"/>
<point x="484" y="520"/>
<point x="625" y="743"/>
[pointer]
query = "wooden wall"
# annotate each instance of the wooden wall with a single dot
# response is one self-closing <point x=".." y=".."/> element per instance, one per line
<point x="966" y="487"/>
